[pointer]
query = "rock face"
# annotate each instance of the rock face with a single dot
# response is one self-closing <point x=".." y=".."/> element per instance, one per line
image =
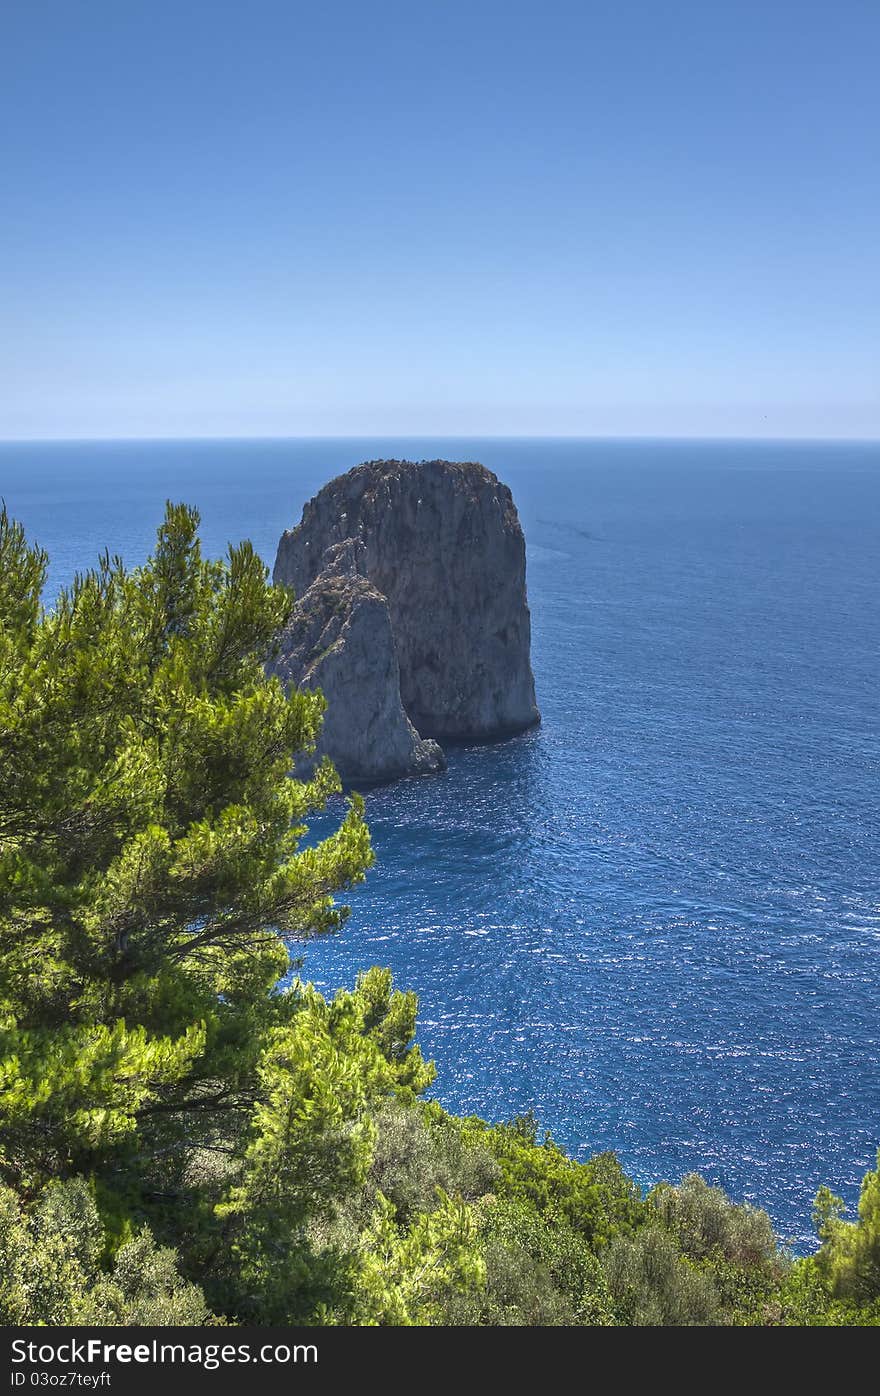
<point x="412" y="615"/>
<point x="340" y="641"/>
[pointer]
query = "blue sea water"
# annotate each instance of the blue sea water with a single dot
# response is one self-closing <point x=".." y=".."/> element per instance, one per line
<point x="655" y="920"/>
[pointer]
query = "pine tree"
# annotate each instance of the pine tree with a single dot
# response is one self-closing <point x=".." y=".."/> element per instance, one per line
<point x="151" y="858"/>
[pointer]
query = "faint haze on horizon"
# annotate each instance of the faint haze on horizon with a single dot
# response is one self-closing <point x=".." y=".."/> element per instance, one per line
<point x="483" y="219"/>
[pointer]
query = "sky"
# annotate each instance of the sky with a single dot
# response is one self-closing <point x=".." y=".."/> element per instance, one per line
<point x="272" y="218"/>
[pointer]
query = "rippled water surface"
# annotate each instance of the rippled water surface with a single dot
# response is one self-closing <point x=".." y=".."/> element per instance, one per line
<point x="656" y="919"/>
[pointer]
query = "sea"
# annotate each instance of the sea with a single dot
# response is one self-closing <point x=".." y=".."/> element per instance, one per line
<point x="654" y="921"/>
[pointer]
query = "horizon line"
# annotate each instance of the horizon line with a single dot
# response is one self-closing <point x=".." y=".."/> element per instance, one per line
<point x="430" y="436"/>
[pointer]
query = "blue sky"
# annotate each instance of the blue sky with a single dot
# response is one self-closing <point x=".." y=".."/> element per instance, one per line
<point x="272" y="218"/>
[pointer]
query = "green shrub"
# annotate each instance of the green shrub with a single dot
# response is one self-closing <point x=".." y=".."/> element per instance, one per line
<point x="849" y="1259"/>
<point x="418" y="1151"/>
<point x="539" y="1272"/>
<point x="652" y="1284"/>
<point x="50" y="1268"/>
<point x="706" y="1223"/>
<point x="595" y="1199"/>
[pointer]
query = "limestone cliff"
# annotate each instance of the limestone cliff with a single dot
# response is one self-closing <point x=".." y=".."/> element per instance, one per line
<point x="438" y="544"/>
<point x="339" y="640"/>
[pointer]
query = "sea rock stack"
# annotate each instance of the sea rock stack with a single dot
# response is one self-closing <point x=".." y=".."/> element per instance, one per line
<point x="411" y="614"/>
